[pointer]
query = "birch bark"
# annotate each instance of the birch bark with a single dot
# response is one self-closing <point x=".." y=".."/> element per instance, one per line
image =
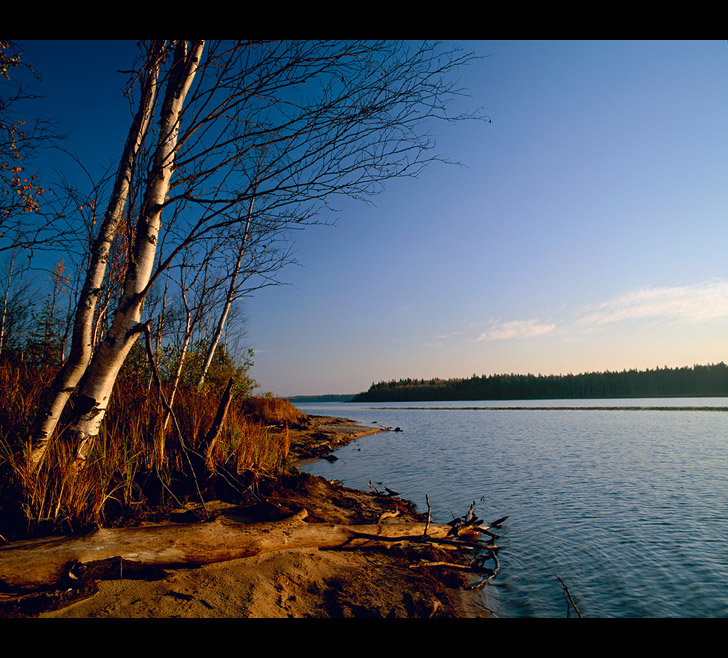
<point x="55" y="399"/>
<point x="98" y="380"/>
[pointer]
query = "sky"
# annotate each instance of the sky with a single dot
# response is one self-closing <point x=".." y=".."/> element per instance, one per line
<point x="584" y="228"/>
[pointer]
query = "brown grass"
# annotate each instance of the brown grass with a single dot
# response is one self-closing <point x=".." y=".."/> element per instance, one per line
<point x="270" y="410"/>
<point x="135" y="463"/>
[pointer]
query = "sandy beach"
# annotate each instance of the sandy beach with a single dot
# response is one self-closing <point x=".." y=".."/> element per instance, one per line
<point x="375" y="581"/>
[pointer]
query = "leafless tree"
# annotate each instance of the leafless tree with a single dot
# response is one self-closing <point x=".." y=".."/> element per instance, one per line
<point x="252" y="139"/>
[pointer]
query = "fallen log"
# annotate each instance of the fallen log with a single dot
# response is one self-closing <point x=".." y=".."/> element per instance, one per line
<point x="36" y="563"/>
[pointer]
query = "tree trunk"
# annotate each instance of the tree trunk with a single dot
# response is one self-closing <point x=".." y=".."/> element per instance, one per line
<point x="45" y="562"/>
<point x="55" y="399"/>
<point x="214" y="433"/>
<point x="228" y="303"/>
<point x="5" y="302"/>
<point x="178" y="369"/>
<point x="98" y="381"/>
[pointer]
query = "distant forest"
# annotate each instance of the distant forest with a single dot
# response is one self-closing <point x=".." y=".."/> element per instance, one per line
<point x="330" y="397"/>
<point x="702" y="381"/>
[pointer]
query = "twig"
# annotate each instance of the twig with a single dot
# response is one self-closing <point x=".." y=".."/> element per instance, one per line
<point x="429" y="515"/>
<point x="568" y="599"/>
<point x="155" y="371"/>
<point x="499" y="522"/>
<point x="387" y="515"/>
<point x="489" y="573"/>
<point x="449" y="565"/>
<point x="216" y="428"/>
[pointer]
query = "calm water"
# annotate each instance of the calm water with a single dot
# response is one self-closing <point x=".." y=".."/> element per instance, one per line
<point x="628" y="507"/>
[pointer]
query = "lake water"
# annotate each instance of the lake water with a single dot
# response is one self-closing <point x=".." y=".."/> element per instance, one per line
<point x="625" y="500"/>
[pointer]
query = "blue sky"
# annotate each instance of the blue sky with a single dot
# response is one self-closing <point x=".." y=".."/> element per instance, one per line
<point x="585" y="229"/>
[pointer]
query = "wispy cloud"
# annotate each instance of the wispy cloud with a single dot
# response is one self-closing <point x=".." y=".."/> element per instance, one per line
<point x="429" y="343"/>
<point x="515" y="329"/>
<point x="692" y="304"/>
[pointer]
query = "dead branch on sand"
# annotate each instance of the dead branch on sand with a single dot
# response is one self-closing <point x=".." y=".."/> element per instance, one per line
<point x="46" y="562"/>
<point x="468" y="529"/>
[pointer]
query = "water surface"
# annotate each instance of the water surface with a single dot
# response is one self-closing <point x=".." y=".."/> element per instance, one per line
<point x="625" y="500"/>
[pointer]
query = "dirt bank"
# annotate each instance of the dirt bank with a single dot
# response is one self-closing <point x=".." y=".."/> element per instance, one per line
<point x="360" y="582"/>
<point x="318" y="436"/>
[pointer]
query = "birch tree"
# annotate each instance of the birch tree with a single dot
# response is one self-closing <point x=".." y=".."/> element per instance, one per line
<point x="6" y="297"/>
<point x="99" y="379"/>
<point x="57" y="396"/>
<point x="253" y="139"/>
<point x="15" y="313"/>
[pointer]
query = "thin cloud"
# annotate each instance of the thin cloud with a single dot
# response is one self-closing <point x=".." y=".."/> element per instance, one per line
<point x="433" y="344"/>
<point x="515" y="329"/>
<point x="692" y="304"/>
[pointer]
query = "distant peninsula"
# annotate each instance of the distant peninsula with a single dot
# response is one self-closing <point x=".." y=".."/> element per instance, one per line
<point x="696" y="381"/>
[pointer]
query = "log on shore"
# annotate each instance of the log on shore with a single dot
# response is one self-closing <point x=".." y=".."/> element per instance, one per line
<point x="37" y="563"/>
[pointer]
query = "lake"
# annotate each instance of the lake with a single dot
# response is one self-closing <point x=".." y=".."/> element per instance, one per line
<point x="625" y="500"/>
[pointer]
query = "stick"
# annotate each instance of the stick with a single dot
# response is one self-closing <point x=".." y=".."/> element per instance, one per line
<point x="387" y="515"/>
<point x="429" y="515"/>
<point x="449" y="565"/>
<point x="216" y="429"/>
<point x="566" y="594"/>
<point x="482" y="583"/>
<point x="155" y="371"/>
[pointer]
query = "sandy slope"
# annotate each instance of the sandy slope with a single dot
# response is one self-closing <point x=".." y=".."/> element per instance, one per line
<point x="366" y="582"/>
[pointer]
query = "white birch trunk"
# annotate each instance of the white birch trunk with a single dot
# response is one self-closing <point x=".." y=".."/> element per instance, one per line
<point x="221" y="322"/>
<point x="55" y="399"/>
<point x="98" y="381"/>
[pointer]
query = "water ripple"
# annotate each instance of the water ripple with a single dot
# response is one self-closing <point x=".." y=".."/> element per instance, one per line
<point x="627" y="507"/>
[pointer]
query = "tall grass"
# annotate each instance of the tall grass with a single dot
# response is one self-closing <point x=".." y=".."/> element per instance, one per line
<point x="135" y="462"/>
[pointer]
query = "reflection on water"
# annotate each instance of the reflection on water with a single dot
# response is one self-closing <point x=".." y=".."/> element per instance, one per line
<point x="628" y="507"/>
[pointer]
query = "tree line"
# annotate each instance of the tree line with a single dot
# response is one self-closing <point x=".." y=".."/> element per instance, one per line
<point x="698" y="380"/>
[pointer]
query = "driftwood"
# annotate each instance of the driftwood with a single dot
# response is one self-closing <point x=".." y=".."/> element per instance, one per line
<point x="476" y="566"/>
<point x="467" y="529"/>
<point x="37" y="563"/>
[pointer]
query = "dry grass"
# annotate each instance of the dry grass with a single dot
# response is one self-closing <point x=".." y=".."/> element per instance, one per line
<point x="270" y="410"/>
<point x="135" y="461"/>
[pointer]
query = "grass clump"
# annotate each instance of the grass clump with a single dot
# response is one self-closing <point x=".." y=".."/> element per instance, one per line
<point x="143" y="462"/>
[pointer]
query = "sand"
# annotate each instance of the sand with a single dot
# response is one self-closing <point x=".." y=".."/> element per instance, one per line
<point x="362" y="582"/>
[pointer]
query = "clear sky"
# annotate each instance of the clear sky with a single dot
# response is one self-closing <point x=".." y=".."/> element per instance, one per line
<point x="585" y="230"/>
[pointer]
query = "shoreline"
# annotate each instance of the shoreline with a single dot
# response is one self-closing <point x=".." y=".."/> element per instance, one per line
<point x="373" y="582"/>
